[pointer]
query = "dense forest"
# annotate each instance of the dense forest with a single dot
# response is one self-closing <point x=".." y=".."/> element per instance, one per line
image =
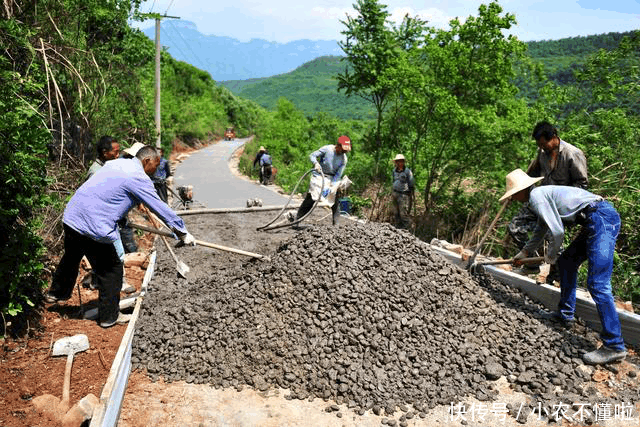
<point x="459" y="103"/>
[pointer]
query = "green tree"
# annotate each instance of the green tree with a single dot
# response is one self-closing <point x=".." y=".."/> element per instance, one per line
<point x="372" y="47"/>
<point x="457" y="111"/>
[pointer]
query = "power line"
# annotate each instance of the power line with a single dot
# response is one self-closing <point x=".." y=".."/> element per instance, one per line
<point x="164" y="31"/>
<point x="191" y="50"/>
<point x="152" y="6"/>
<point x="165" y="12"/>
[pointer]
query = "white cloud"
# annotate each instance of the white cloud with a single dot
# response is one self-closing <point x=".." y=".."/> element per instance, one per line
<point x="434" y="17"/>
<point x="331" y="12"/>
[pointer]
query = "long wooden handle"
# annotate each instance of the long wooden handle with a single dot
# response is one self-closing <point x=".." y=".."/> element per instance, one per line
<point x="510" y="261"/>
<point x="66" y="385"/>
<point x="151" y="229"/>
<point x="224" y="248"/>
<point x="199" y="242"/>
<point x="154" y="220"/>
<point x="493" y="223"/>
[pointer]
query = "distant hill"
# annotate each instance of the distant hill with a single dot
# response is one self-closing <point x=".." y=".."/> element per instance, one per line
<point x="311" y="87"/>
<point x="229" y="59"/>
<point x="562" y="57"/>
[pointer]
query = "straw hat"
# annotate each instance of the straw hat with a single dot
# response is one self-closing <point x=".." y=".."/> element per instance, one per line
<point x="517" y="181"/>
<point x="133" y="150"/>
<point x="398" y="157"/>
<point x="262" y="148"/>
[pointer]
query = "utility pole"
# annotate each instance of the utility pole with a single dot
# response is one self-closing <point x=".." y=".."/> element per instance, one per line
<point x="158" y="18"/>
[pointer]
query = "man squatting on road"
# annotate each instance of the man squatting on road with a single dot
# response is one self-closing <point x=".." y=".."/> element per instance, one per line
<point x="557" y="163"/>
<point x="403" y="188"/>
<point x="90" y="229"/>
<point x="555" y="207"/>
<point x="331" y="160"/>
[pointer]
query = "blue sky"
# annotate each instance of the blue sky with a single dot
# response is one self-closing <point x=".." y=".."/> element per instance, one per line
<point x="283" y="21"/>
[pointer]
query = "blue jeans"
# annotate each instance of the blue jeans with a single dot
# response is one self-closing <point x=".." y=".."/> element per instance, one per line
<point x="595" y="243"/>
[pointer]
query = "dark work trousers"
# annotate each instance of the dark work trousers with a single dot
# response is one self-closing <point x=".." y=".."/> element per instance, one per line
<point x="161" y="189"/>
<point x="265" y="174"/>
<point x="308" y="203"/>
<point x="126" y="235"/>
<point x="105" y="263"/>
<point x="402" y="207"/>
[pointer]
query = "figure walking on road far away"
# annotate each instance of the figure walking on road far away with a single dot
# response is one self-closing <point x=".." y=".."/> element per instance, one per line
<point x="265" y="168"/>
<point x="403" y="188"/>
<point x="163" y="172"/>
<point x="261" y="152"/>
<point x="556" y="207"/>
<point x="331" y="160"/>
<point x="90" y="228"/>
<point x="557" y="163"/>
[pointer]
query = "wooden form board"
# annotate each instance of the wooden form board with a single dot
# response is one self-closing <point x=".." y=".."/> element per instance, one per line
<point x="550" y="295"/>
<point x="107" y="413"/>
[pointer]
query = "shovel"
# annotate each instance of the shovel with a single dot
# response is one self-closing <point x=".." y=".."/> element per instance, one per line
<point x="69" y="346"/>
<point x="181" y="267"/>
<point x="493" y="223"/>
<point x="200" y="242"/>
<point x="49" y="404"/>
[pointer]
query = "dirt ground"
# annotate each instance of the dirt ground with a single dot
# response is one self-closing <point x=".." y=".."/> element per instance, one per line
<point x="28" y="370"/>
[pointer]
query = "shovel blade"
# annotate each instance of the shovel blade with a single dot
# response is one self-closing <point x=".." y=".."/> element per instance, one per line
<point x="67" y="345"/>
<point x="183" y="269"/>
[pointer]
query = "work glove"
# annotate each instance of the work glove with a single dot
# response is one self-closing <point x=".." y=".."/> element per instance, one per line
<point x="188" y="239"/>
<point x="517" y="260"/>
<point x="317" y="167"/>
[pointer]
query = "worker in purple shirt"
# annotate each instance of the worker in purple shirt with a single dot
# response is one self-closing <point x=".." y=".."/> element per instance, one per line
<point x="90" y="228"/>
<point x="559" y="206"/>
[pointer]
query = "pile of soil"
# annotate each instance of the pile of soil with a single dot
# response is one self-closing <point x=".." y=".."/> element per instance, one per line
<point x="364" y="315"/>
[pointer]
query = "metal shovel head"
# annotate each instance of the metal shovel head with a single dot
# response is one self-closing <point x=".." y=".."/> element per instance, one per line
<point x="183" y="269"/>
<point x="67" y="345"/>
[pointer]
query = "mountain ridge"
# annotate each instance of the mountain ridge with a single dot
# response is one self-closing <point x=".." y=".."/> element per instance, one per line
<point x="226" y="58"/>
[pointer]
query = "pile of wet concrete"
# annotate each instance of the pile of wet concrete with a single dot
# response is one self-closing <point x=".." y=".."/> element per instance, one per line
<point x="365" y="315"/>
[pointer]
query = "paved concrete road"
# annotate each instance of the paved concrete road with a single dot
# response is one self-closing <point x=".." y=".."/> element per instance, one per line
<point x="214" y="184"/>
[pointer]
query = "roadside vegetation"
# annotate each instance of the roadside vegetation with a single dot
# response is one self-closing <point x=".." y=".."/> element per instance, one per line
<point x="459" y="103"/>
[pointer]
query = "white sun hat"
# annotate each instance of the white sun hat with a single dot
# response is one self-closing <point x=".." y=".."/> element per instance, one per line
<point x="133" y="150"/>
<point x="517" y="181"/>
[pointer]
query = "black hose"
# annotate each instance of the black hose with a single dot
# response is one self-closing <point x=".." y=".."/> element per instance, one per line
<point x="298" y="220"/>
